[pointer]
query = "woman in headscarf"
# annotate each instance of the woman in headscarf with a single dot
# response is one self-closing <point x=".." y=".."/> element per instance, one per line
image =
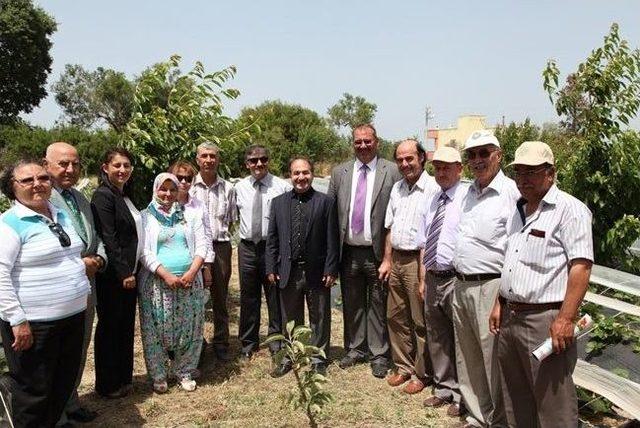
<point x="170" y="287"/>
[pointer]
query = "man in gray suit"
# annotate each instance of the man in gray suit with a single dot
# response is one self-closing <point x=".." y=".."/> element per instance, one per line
<point x="361" y="189"/>
<point x="63" y="165"/>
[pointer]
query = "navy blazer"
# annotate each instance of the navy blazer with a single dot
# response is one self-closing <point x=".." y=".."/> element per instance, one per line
<point x="321" y="243"/>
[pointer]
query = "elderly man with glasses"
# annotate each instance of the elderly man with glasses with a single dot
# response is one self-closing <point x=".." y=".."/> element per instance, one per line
<point x="478" y="260"/>
<point x="544" y="279"/>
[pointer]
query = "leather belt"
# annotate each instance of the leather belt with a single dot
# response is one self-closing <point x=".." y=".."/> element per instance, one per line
<point x="477" y="276"/>
<point x="523" y="307"/>
<point x="407" y="252"/>
<point x="252" y="244"/>
<point x="443" y="273"/>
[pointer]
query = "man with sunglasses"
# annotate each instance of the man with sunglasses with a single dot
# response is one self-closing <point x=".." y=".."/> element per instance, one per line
<point x="361" y="188"/>
<point x="544" y="279"/>
<point x="478" y="260"/>
<point x="62" y="162"/>
<point x="253" y="198"/>
<point x="218" y="198"/>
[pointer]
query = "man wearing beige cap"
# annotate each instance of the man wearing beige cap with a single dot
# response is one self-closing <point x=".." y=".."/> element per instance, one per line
<point x="544" y="279"/>
<point x="438" y="238"/>
<point x="478" y="259"/>
<point x="401" y="268"/>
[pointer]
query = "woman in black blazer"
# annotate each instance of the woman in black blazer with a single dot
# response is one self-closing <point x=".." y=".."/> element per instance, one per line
<point x="118" y="224"/>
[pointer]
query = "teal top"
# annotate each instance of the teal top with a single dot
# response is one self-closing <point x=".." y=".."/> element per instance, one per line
<point x="173" y="251"/>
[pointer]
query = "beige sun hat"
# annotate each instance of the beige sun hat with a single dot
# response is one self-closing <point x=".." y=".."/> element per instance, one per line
<point x="533" y="153"/>
<point x="481" y="138"/>
<point x="447" y="154"/>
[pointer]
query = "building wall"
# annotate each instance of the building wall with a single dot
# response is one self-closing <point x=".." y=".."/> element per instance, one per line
<point x="456" y="137"/>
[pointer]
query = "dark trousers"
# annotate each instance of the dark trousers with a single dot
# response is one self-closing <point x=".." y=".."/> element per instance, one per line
<point x="318" y="298"/>
<point x="252" y="281"/>
<point x="220" y="292"/>
<point x="44" y="375"/>
<point x="364" y="300"/>
<point x="113" y="339"/>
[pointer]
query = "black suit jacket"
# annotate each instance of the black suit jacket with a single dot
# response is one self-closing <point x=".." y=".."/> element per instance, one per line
<point x="117" y="228"/>
<point x="321" y="243"/>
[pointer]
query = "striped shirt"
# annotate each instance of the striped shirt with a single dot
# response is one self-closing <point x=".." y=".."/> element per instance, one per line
<point x="219" y="204"/>
<point x="273" y="186"/>
<point x="40" y="280"/>
<point x="405" y="209"/>
<point x="540" y="250"/>
<point x="482" y="231"/>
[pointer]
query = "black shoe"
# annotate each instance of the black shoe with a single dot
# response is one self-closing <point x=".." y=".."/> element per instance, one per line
<point x="246" y="355"/>
<point x="349" y="361"/>
<point x="320" y="368"/>
<point x="282" y="369"/>
<point x="222" y="353"/>
<point x="379" y="370"/>
<point x="82" y="415"/>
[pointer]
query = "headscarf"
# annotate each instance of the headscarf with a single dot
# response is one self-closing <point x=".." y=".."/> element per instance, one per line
<point x="175" y="213"/>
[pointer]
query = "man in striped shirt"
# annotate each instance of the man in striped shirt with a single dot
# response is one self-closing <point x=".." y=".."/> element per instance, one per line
<point x="544" y="279"/>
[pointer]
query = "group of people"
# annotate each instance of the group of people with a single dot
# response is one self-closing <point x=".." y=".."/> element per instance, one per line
<point x="444" y="283"/>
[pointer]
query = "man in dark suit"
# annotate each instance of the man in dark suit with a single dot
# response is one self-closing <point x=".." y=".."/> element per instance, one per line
<point x="302" y="257"/>
<point x="63" y="165"/>
<point x="361" y="190"/>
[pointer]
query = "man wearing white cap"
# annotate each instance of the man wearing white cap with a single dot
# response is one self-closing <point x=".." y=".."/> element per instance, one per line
<point x="544" y="279"/>
<point x="478" y="259"/>
<point x="438" y="243"/>
<point x="401" y="268"/>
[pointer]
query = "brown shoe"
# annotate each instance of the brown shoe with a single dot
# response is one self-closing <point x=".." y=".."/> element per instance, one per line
<point x="455" y="410"/>
<point x="435" y="401"/>
<point x="413" y="387"/>
<point x="397" y="379"/>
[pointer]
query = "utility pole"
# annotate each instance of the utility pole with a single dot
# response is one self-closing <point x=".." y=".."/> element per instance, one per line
<point x="428" y="114"/>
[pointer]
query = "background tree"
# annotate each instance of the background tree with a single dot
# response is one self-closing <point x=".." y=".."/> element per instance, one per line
<point x="173" y="113"/>
<point x="351" y="111"/>
<point x="603" y="170"/>
<point x="92" y="97"/>
<point x="24" y="56"/>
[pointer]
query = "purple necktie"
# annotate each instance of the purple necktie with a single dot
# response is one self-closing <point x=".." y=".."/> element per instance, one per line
<point x="357" y="216"/>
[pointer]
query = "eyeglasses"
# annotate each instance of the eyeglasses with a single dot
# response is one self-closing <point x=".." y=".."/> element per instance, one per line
<point x="362" y="141"/>
<point x="186" y="178"/>
<point x="30" y="181"/>
<point x="254" y="161"/>
<point x="525" y="173"/>
<point x="482" y="154"/>
<point x="62" y="236"/>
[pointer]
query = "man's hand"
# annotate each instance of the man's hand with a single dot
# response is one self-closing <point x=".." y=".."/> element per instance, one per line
<point x="129" y="282"/>
<point x="561" y="333"/>
<point x="273" y="278"/>
<point x="328" y="280"/>
<point x="207" y="275"/>
<point x="421" y="290"/>
<point x="91" y="265"/>
<point x="384" y="271"/>
<point x="23" y="337"/>
<point x="494" y="318"/>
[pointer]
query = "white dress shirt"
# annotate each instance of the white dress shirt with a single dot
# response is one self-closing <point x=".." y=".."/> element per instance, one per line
<point x="364" y="238"/>
<point x="540" y="250"/>
<point x="405" y="210"/>
<point x="219" y="203"/>
<point x="482" y="231"/>
<point x="449" y="232"/>
<point x="273" y="186"/>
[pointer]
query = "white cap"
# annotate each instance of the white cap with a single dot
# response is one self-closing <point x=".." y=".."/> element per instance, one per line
<point x="481" y="138"/>
<point x="447" y="154"/>
<point x="533" y="153"/>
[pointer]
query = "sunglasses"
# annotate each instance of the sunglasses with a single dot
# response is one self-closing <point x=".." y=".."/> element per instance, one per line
<point x="254" y="161"/>
<point x="62" y="236"/>
<point x="362" y="141"/>
<point x="30" y="181"/>
<point x="186" y="178"/>
<point x="525" y="173"/>
<point x="482" y="154"/>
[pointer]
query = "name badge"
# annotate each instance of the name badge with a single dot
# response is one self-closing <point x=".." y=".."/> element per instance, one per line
<point x="537" y="233"/>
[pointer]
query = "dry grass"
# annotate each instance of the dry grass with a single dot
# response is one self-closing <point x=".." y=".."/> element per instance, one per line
<point x="244" y="395"/>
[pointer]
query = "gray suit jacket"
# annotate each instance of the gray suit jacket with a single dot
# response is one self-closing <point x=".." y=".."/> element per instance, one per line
<point x="340" y="189"/>
<point x="93" y="244"/>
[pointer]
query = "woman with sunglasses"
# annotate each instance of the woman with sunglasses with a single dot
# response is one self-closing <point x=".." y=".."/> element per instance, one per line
<point x="43" y="296"/>
<point x="119" y="225"/>
<point x="171" y="292"/>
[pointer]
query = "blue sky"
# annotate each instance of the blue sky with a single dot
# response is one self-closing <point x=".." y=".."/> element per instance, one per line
<point x="458" y="57"/>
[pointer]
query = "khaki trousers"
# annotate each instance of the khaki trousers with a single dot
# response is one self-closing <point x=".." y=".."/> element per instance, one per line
<point x="476" y="351"/>
<point x="536" y="393"/>
<point x="440" y="336"/>
<point x="405" y="317"/>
